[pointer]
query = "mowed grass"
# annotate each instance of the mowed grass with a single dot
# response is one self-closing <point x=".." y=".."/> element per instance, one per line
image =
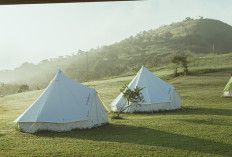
<point x="202" y="128"/>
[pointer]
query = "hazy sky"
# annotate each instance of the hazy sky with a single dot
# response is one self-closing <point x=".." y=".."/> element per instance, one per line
<point x="31" y="33"/>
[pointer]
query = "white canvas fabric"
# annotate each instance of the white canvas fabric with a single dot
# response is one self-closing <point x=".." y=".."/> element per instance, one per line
<point x="158" y="94"/>
<point x="227" y="94"/>
<point x="64" y="105"/>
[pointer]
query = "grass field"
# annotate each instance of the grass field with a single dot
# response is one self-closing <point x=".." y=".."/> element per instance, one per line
<point x="202" y="128"/>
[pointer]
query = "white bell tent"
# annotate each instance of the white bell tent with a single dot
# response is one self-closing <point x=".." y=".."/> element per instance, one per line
<point x="64" y="105"/>
<point x="158" y="95"/>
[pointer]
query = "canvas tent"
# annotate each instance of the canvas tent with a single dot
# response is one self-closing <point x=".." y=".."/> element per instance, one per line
<point x="64" y="105"/>
<point x="227" y="93"/>
<point x="158" y="94"/>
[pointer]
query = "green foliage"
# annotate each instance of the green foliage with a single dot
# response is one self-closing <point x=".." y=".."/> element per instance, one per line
<point x="19" y="91"/>
<point x="23" y="88"/>
<point x="180" y="60"/>
<point x="6" y="89"/>
<point x="37" y="87"/>
<point x="17" y="128"/>
<point x="132" y="97"/>
<point x="188" y="19"/>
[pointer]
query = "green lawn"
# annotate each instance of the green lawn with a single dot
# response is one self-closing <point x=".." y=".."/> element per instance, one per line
<point x="202" y="128"/>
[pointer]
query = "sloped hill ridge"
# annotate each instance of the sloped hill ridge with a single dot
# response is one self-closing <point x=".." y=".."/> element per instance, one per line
<point x="196" y="36"/>
<point x="153" y="48"/>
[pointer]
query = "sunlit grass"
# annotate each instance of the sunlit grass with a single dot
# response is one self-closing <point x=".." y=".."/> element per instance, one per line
<point x="202" y="128"/>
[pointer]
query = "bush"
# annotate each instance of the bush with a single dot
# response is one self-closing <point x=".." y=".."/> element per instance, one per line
<point x="116" y="117"/>
<point x="24" y="87"/>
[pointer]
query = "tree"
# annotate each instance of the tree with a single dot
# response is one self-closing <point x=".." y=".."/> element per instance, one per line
<point x="185" y="66"/>
<point x="37" y="87"/>
<point x="167" y="35"/>
<point x="188" y="19"/>
<point x="23" y="88"/>
<point x="19" y="90"/>
<point x="180" y="60"/>
<point x="200" y="17"/>
<point x="132" y="97"/>
<point x="176" y="60"/>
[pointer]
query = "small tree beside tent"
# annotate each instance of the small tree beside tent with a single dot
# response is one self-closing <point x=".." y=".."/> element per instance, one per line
<point x="132" y="97"/>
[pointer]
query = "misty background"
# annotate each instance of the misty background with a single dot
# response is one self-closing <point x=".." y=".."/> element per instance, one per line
<point x="116" y="38"/>
<point x="32" y="33"/>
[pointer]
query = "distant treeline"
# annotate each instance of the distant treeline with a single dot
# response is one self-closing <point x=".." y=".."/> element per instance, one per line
<point x="6" y="89"/>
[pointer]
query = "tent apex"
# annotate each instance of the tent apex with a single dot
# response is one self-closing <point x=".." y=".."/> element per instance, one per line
<point x="143" y="68"/>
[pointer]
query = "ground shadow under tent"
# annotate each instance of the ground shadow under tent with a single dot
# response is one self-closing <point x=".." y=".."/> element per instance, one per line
<point x="132" y="134"/>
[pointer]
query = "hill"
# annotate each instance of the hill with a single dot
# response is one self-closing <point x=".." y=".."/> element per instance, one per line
<point x="153" y="48"/>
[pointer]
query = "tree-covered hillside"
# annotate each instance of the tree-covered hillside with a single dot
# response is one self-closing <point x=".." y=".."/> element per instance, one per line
<point x="153" y="48"/>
